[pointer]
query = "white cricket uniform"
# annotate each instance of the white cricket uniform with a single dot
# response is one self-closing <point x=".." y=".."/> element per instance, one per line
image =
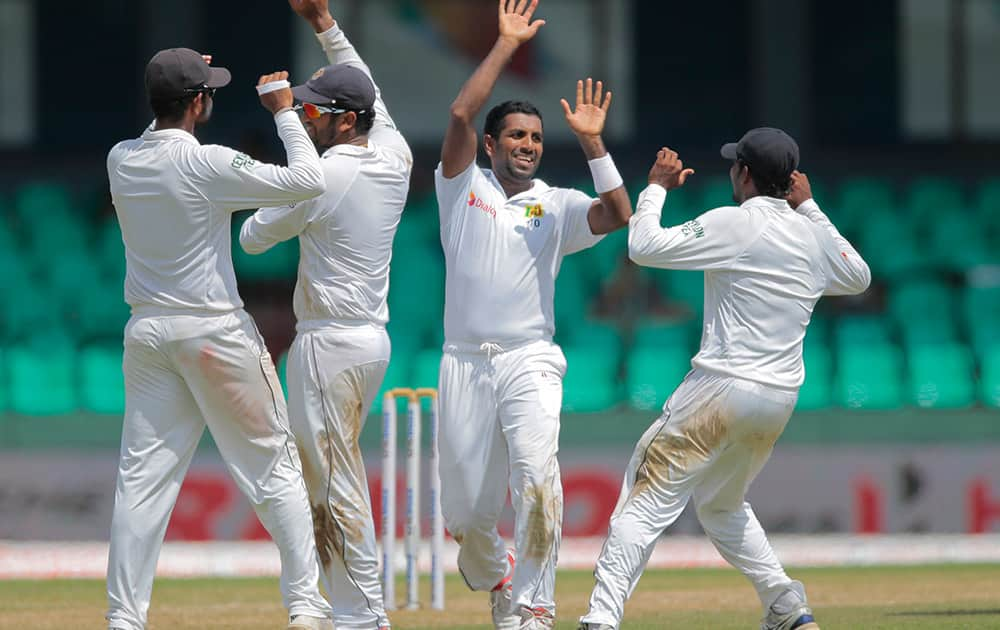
<point x="501" y="374"/>
<point x="340" y="354"/>
<point x="193" y="356"/>
<point x="766" y="266"/>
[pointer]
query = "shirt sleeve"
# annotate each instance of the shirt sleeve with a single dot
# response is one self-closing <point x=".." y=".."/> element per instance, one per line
<point x="339" y="50"/>
<point x="234" y="181"/>
<point x="847" y="272"/>
<point x="714" y="240"/>
<point x="267" y="227"/>
<point x="576" y="223"/>
<point x="453" y="193"/>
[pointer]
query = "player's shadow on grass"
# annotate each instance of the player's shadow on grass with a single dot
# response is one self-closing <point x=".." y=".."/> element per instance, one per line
<point x="943" y="613"/>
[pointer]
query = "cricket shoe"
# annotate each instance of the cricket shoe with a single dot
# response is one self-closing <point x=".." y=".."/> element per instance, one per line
<point x="501" y="598"/>
<point x="305" y="622"/>
<point x="536" y="619"/>
<point x="789" y="611"/>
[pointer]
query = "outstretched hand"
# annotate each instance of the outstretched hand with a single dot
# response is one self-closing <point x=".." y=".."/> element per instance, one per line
<point x="668" y="170"/>
<point x="316" y="12"/>
<point x="515" y="20"/>
<point x="592" y="105"/>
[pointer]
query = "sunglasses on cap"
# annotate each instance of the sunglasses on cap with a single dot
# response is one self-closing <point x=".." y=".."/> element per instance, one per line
<point x="313" y="112"/>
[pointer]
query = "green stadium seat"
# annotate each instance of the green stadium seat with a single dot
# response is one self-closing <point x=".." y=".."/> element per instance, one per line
<point x="981" y="316"/>
<point x="861" y="329"/>
<point x="416" y="291"/>
<point x="111" y="250"/>
<point x="929" y="199"/>
<point x="941" y="376"/>
<point x="28" y="309"/>
<point x="989" y="384"/>
<point x="859" y="199"/>
<point x="573" y="296"/>
<point x="987" y="205"/>
<point x="958" y="243"/>
<point x="868" y="377"/>
<point x="426" y="366"/>
<point x="42" y="199"/>
<point x="890" y="246"/>
<point x="653" y="373"/>
<point x="71" y="277"/>
<point x="42" y="376"/>
<point x="102" y="383"/>
<point x="591" y="382"/>
<point x="103" y="314"/>
<point x="815" y="392"/>
<point x="923" y="310"/>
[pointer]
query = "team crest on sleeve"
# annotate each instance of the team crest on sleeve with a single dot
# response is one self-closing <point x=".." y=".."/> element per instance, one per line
<point x="244" y="161"/>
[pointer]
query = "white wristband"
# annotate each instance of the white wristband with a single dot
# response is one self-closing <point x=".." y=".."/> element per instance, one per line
<point x="273" y="86"/>
<point x="605" y="174"/>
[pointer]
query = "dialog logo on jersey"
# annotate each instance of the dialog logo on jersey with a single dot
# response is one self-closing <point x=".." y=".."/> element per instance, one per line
<point x="477" y="202"/>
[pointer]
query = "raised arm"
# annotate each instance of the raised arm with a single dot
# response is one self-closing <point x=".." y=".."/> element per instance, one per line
<point x="339" y="50"/>
<point x="848" y="272"/>
<point x="587" y="122"/>
<point x="516" y="28"/>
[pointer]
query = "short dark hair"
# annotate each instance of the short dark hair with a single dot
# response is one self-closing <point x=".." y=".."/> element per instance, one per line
<point x="364" y="122"/>
<point x="495" y="117"/>
<point x="171" y="109"/>
<point x="768" y="187"/>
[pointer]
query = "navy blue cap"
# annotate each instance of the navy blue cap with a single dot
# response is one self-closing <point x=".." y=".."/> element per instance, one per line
<point x="344" y="87"/>
<point x="176" y="72"/>
<point x="770" y="153"/>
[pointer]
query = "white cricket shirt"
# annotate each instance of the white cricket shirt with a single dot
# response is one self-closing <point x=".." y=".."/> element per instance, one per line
<point x="766" y="265"/>
<point x="345" y="235"/>
<point x="174" y="197"/>
<point x="502" y="255"/>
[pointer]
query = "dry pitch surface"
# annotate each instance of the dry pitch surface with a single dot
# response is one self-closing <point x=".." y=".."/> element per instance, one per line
<point x="855" y="599"/>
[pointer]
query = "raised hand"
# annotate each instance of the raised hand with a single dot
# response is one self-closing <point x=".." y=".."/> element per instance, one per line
<point x="279" y="99"/>
<point x="668" y="170"/>
<point x="592" y="105"/>
<point x="316" y="12"/>
<point x="801" y="190"/>
<point x="515" y="20"/>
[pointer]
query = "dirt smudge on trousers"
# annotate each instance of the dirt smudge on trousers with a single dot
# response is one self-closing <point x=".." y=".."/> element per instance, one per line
<point x="672" y="451"/>
<point x="334" y="526"/>
<point x="250" y="400"/>
<point x="543" y="506"/>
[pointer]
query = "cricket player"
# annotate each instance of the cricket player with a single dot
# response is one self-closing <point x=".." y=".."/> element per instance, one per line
<point x="766" y="261"/>
<point x="341" y="351"/>
<point x="193" y="357"/>
<point x="504" y="235"/>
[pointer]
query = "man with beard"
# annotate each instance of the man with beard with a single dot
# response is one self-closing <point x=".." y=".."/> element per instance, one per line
<point x="341" y="350"/>
<point x="504" y="235"/>
<point x="193" y="356"/>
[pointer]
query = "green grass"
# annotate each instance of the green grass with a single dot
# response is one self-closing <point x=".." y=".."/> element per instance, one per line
<point x="880" y="598"/>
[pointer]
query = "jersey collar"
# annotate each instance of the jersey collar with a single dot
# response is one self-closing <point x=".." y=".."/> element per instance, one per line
<point x="538" y="187"/>
<point x="169" y="134"/>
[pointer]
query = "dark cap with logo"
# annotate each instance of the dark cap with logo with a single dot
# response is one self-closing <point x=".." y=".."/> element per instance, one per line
<point x="177" y="72"/>
<point x="341" y="86"/>
<point x="770" y="153"/>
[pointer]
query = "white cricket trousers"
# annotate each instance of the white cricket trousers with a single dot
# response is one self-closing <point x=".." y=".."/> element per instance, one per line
<point x="183" y="372"/>
<point x="714" y="436"/>
<point x="333" y="377"/>
<point x="499" y="430"/>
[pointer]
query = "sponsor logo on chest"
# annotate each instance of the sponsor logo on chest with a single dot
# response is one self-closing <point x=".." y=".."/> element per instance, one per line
<point x="482" y="204"/>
